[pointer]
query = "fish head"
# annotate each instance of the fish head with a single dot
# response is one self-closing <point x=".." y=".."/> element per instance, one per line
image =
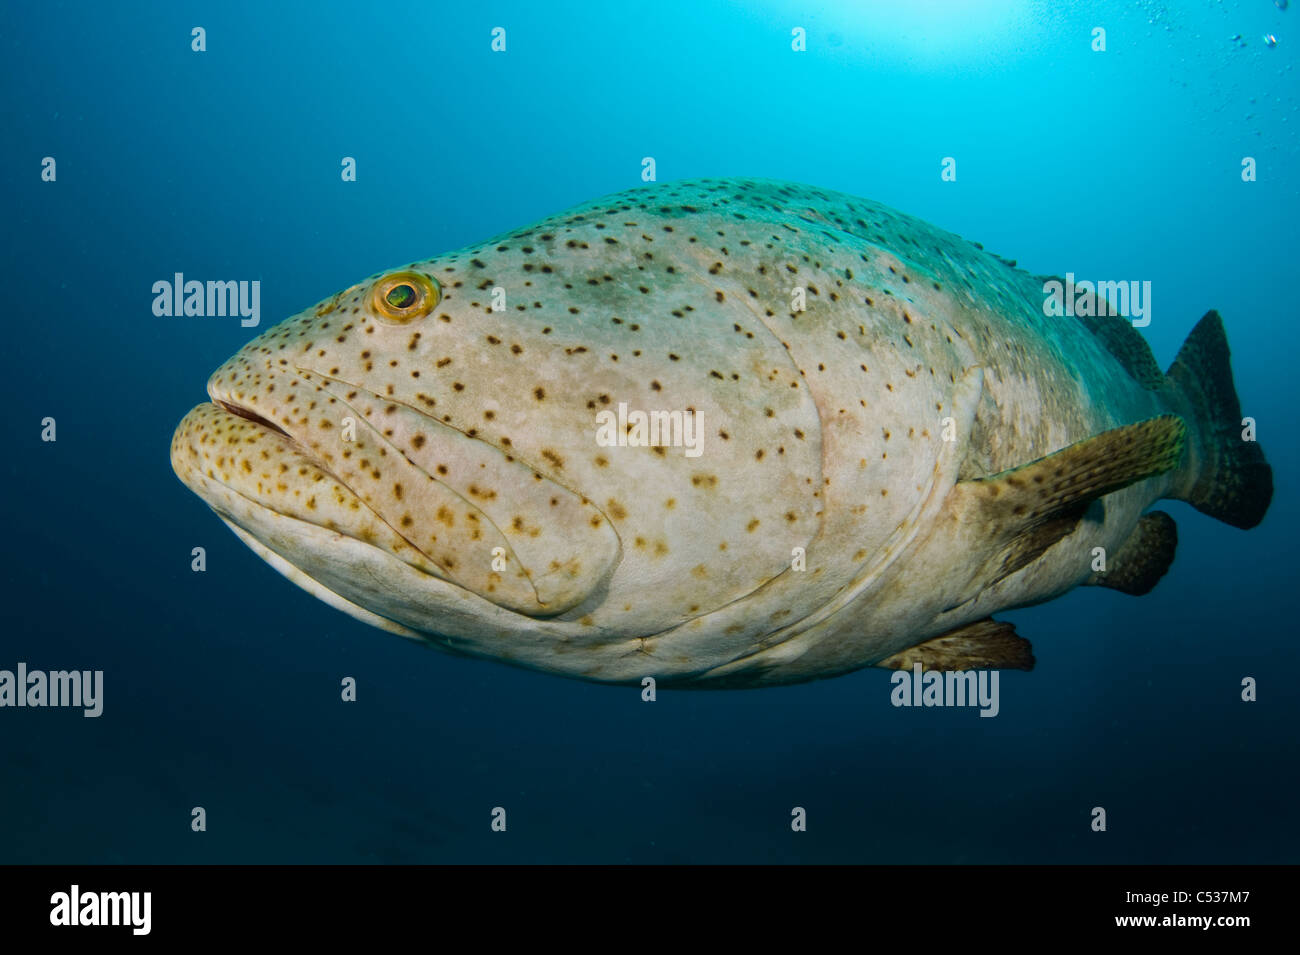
<point x="540" y="449"/>
<point x="372" y="449"/>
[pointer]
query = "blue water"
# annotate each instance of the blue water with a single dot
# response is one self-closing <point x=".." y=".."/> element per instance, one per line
<point x="222" y="688"/>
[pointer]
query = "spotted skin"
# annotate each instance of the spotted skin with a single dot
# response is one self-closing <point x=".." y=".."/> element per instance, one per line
<point x="474" y="436"/>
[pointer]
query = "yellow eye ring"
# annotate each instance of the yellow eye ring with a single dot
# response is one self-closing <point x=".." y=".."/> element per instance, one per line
<point x="402" y="297"/>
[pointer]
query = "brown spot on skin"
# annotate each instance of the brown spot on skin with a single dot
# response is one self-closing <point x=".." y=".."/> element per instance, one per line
<point x="752" y="525"/>
<point x="704" y="480"/>
<point x="615" y="509"/>
<point x="417" y="441"/>
<point x="486" y="494"/>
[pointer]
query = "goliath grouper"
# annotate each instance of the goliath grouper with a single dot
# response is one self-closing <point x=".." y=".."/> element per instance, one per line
<point x="880" y="466"/>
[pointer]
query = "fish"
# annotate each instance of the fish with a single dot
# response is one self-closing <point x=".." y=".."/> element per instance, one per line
<point x="717" y="433"/>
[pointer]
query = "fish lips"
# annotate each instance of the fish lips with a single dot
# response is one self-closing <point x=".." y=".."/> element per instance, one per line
<point x="246" y="469"/>
<point x="514" y="538"/>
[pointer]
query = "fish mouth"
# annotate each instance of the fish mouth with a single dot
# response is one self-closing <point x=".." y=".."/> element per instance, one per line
<point x="356" y="465"/>
<point x="248" y="414"/>
<point x="239" y="462"/>
<point x="313" y="530"/>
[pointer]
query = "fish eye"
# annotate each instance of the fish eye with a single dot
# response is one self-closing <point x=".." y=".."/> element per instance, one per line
<point x="400" y="296"/>
<point x="405" y="296"/>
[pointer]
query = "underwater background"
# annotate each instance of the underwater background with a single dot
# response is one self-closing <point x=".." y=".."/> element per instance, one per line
<point x="222" y="688"/>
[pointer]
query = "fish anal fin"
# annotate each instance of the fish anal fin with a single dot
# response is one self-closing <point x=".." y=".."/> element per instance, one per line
<point x="1143" y="558"/>
<point x="986" y="644"/>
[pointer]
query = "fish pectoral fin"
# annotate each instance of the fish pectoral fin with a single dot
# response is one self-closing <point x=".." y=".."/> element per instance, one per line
<point x="1143" y="558"/>
<point x="986" y="644"/>
<point x="1022" y="512"/>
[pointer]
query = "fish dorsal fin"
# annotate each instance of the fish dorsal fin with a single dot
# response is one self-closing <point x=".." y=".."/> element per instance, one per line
<point x="1143" y="558"/>
<point x="986" y="644"/>
<point x="1022" y="512"/>
<point x="1129" y="348"/>
<point x="1114" y="333"/>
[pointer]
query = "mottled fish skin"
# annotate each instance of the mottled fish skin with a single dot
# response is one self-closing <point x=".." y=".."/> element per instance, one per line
<point x="822" y="430"/>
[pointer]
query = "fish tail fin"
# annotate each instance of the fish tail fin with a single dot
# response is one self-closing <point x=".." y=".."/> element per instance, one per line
<point x="1226" y="475"/>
